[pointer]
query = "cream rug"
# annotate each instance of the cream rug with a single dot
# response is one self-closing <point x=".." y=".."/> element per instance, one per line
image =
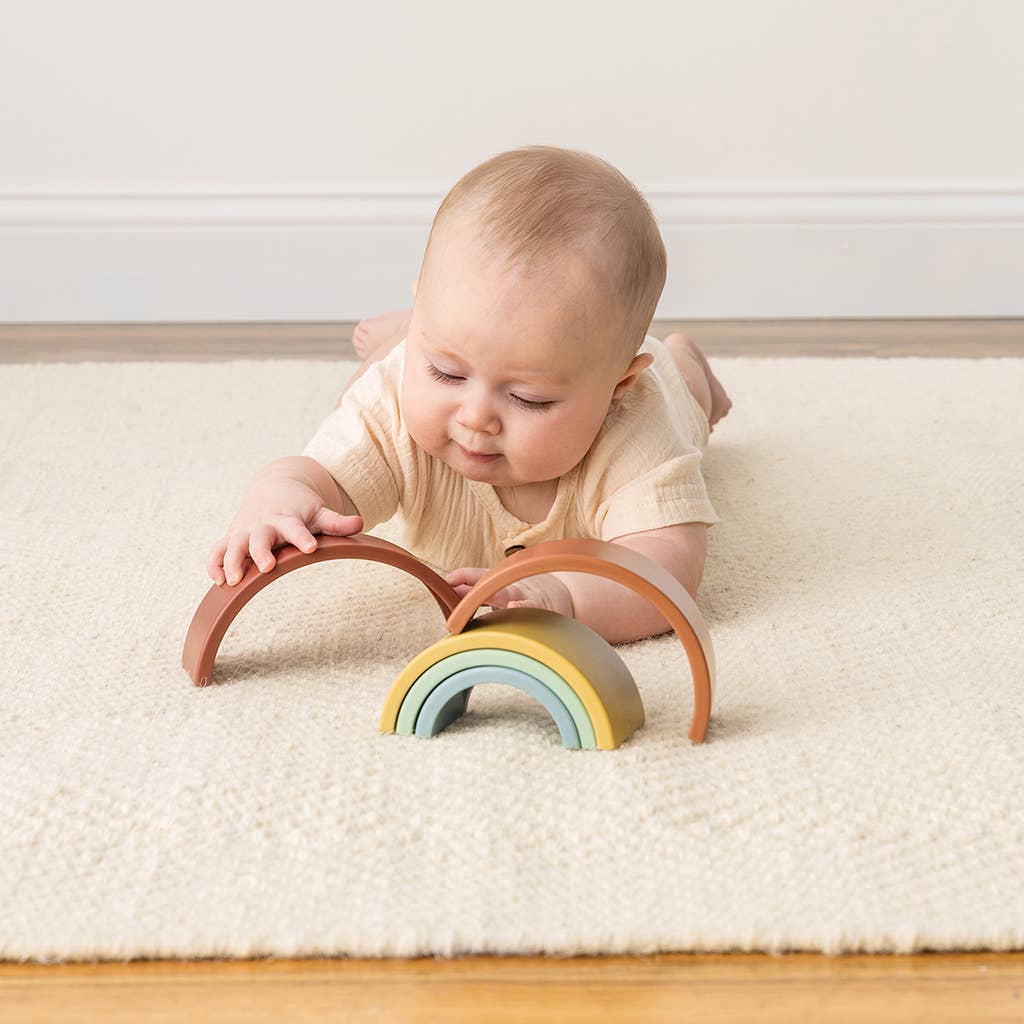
<point x="862" y="784"/>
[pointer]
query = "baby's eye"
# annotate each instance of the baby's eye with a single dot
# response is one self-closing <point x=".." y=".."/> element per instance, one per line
<point x="521" y="402"/>
<point x="535" y="406"/>
<point x="439" y="374"/>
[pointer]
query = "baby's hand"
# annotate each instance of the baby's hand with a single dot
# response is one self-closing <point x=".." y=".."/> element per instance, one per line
<point x="543" y="591"/>
<point x="276" y="510"/>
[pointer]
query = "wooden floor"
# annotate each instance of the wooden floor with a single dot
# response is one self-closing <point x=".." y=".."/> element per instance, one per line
<point x="20" y="343"/>
<point x="701" y="989"/>
<point x="967" y="988"/>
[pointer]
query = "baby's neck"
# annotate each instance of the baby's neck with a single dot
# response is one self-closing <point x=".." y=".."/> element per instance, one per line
<point x="529" y="502"/>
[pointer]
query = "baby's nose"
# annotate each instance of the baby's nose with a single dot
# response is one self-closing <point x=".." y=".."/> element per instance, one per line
<point x="478" y="417"/>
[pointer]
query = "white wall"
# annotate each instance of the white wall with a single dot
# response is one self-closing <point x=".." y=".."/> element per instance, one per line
<point x="222" y="160"/>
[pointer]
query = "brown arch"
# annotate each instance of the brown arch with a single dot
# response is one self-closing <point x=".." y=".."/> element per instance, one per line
<point x="614" y="562"/>
<point x="221" y="604"/>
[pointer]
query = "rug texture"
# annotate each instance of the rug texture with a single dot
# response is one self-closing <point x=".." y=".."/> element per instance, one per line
<point x="861" y="788"/>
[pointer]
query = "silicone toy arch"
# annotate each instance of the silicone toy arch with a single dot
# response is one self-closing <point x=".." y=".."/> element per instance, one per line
<point x="219" y="607"/>
<point x="614" y="562"/>
<point x="575" y="673"/>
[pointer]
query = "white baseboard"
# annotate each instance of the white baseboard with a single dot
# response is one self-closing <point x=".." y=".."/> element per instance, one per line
<point x="767" y="253"/>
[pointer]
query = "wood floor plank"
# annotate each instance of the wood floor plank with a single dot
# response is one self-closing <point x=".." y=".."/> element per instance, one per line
<point x="198" y="342"/>
<point x="700" y="989"/>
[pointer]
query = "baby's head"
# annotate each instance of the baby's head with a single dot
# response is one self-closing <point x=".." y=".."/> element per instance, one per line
<point x="540" y="278"/>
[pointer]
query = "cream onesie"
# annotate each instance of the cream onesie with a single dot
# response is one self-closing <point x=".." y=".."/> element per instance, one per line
<point x="642" y="472"/>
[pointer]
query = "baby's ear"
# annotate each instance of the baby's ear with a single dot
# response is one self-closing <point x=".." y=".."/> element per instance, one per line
<point x="640" y="363"/>
<point x="632" y="374"/>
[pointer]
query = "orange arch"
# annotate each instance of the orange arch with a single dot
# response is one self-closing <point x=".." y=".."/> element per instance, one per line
<point x="614" y="562"/>
<point x="219" y="607"/>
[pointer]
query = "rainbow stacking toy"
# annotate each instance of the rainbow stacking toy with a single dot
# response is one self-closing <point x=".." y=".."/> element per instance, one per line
<point x="575" y="673"/>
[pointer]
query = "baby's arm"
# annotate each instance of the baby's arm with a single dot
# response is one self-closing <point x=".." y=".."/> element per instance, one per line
<point x="620" y="614"/>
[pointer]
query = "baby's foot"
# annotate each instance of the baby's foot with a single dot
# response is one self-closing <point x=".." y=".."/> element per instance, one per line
<point x="721" y="403"/>
<point x="380" y="332"/>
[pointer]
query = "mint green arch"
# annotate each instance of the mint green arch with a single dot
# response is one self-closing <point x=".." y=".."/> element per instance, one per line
<point x="544" y="674"/>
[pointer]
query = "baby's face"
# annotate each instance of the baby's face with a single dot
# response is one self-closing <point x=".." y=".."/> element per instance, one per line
<point x="501" y="364"/>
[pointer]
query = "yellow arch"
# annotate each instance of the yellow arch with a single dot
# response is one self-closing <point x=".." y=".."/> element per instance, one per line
<point x="587" y="663"/>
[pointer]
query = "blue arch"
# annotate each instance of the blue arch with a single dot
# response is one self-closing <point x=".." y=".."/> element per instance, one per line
<point x="447" y="701"/>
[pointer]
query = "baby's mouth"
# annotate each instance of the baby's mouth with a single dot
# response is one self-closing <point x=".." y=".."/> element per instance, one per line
<point x="477" y="457"/>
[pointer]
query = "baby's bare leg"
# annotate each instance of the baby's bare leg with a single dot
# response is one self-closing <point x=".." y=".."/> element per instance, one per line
<point x="375" y="337"/>
<point x="371" y="357"/>
<point x="377" y="353"/>
<point x="375" y="331"/>
<point x="380" y="332"/>
<point x="703" y="384"/>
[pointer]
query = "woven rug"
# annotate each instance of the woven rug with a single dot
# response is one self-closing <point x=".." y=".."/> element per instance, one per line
<point x="861" y="788"/>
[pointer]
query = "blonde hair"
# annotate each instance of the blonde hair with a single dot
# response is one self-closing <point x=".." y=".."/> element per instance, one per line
<point x="536" y="206"/>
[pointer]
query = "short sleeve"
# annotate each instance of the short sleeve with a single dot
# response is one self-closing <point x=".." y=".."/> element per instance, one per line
<point x="356" y="444"/>
<point x="670" y="493"/>
<point x="643" y="471"/>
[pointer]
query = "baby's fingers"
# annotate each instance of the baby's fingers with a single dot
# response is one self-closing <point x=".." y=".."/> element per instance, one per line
<point x="236" y="557"/>
<point x="295" y="531"/>
<point x="502" y="598"/>
<point x="215" y="561"/>
<point x="468" y="574"/>
<point x="292" y="530"/>
<point x="337" y="524"/>
<point x="261" y="544"/>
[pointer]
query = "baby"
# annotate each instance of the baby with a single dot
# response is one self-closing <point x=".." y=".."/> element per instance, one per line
<point x="519" y="400"/>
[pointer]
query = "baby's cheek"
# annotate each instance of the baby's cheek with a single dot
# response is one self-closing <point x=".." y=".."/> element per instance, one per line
<point x="427" y="431"/>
